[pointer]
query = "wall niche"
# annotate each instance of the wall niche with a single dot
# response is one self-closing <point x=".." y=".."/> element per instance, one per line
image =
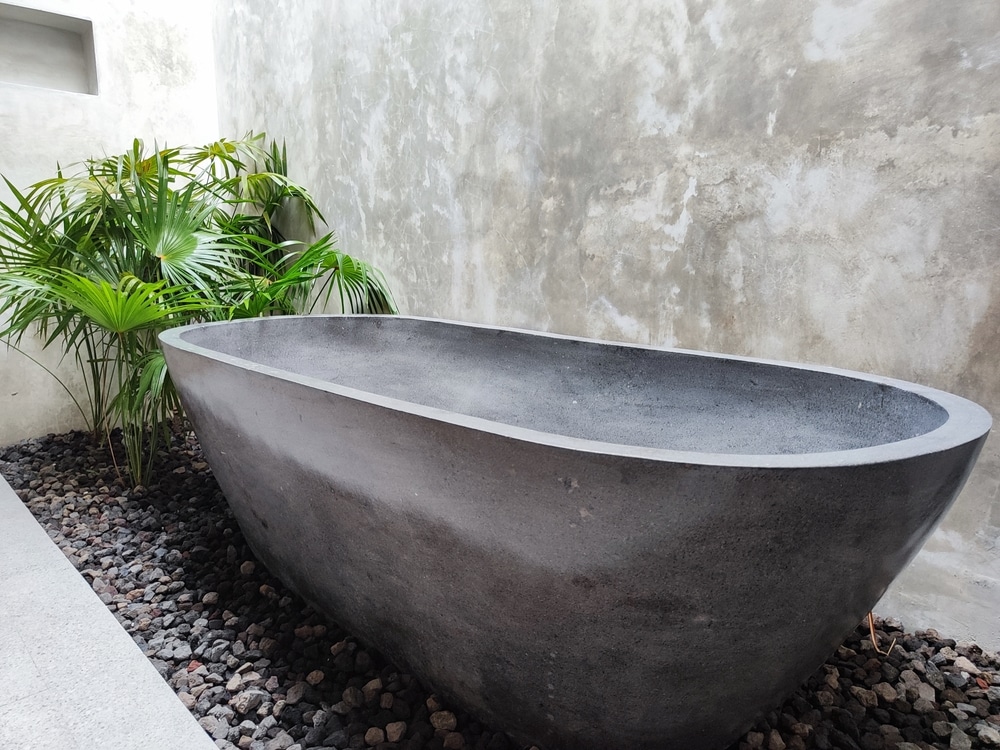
<point x="46" y="50"/>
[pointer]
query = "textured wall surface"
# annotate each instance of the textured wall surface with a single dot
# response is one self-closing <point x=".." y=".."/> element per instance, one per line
<point x="156" y="81"/>
<point x="814" y="181"/>
<point x="809" y="180"/>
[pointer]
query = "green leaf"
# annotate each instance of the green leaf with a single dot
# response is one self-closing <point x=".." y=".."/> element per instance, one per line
<point x="132" y="305"/>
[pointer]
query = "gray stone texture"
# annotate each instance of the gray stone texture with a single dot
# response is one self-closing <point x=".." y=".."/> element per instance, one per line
<point x="469" y="499"/>
<point x="811" y="181"/>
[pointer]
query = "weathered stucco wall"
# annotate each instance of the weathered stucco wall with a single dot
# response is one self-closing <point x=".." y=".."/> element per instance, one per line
<point x="814" y="181"/>
<point x="155" y="81"/>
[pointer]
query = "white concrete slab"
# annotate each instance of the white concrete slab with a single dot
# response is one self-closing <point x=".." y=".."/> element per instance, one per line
<point x="72" y="677"/>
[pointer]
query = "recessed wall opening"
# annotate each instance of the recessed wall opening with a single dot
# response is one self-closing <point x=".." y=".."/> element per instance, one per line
<point x="47" y="50"/>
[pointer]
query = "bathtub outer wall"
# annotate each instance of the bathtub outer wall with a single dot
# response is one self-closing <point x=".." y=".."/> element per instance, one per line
<point x="574" y="599"/>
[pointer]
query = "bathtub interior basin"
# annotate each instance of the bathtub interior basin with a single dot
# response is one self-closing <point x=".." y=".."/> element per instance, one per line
<point x="616" y="394"/>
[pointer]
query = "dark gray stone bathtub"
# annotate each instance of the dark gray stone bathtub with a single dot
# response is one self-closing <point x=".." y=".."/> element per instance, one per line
<point x="589" y="545"/>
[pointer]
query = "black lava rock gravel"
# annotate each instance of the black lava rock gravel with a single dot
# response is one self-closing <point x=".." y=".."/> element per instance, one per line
<point x="261" y="670"/>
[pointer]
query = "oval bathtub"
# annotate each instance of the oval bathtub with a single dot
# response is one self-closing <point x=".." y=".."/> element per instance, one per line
<point x="589" y="545"/>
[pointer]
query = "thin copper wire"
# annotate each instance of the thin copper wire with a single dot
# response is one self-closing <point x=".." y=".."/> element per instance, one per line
<point x="871" y="629"/>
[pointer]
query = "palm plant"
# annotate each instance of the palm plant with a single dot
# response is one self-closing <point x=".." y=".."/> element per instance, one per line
<point x="103" y="259"/>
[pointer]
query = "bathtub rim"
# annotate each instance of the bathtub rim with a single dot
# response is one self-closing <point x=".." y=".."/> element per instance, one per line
<point x="966" y="422"/>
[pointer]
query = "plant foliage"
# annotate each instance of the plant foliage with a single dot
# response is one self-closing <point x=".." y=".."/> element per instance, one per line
<point x="100" y="259"/>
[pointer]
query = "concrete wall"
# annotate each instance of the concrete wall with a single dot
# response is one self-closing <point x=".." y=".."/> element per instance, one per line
<point x="813" y="180"/>
<point x="155" y="81"/>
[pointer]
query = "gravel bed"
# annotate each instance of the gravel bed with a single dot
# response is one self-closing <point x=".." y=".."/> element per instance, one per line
<point x="261" y="670"/>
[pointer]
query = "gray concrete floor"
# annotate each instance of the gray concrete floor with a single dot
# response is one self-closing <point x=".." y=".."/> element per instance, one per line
<point x="70" y="677"/>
